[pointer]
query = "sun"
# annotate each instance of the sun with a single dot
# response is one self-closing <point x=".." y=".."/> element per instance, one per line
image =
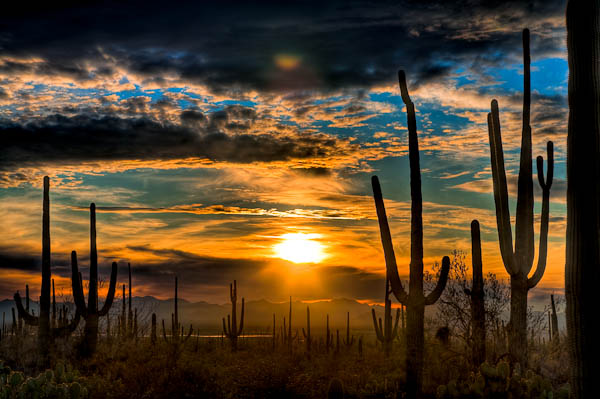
<point x="300" y="248"/>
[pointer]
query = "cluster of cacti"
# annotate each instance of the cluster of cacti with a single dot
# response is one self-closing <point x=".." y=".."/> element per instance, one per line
<point x="177" y="333"/>
<point x="583" y="196"/>
<point x="519" y="261"/>
<point x="499" y="382"/>
<point x="231" y="329"/>
<point x="414" y="300"/>
<point x="60" y="383"/>
<point x="127" y="321"/>
<point x="46" y="332"/>
<point x="384" y="332"/>
<point x="90" y="312"/>
<point x="477" y="298"/>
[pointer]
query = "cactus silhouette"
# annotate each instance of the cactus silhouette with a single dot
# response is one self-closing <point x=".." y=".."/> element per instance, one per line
<point x="477" y="298"/>
<point x="46" y="333"/>
<point x="414" y="300"/>
<point x="306" y="333"/>
<point x="177" y="334"/>
<point x="90" y="312"/>
<point x="231" y="330"/>
<point x="349" y="340"/>
<point x="583" y="197"/>
<point x="518" y="262"/>
<point x="384" y="331"/>
<point x="554" y="320"/>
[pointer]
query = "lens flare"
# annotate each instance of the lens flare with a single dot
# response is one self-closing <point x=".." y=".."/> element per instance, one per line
<point x="287" y="61"/>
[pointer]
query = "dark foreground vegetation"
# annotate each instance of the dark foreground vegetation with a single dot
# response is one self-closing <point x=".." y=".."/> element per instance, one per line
<point x="211" y="368"/>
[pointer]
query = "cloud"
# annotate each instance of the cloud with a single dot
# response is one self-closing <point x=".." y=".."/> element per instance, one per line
<point x="228" y="135"/>
<point x="237" y="45"/>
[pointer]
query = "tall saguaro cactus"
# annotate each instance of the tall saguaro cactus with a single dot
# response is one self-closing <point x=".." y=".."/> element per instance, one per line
<point x="414" y="300"/>
<point x="519" y="262"/>
<point x="476" y="293"/>
<point x="46" y="332"/>
<point x="90" y="312"/>
<point x="582" y="273"/>
<point x="231" y="330"/>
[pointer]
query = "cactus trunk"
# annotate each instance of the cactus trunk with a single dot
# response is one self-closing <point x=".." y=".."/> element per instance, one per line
<point x="477" y="298"/>
<point x="583" y="196"/>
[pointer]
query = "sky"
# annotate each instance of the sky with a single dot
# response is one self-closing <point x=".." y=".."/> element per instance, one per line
<point x="218" y="141"/>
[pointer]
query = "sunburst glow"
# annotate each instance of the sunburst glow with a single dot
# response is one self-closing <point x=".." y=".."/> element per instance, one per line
<point x="300" y="248"/>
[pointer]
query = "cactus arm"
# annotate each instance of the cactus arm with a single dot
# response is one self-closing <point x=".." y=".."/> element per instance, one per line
<point x="395" y="330"/>
<point x="377" y="328"/>
<point x="441" y="284"/>
<point x="67" y="329"/>
<point x="164" y="331"/>
<point x="77" y="288"/>
<point x="189" y="334"/>
<point x="500" y="190"/>
<point x="543" y="245"/>
<point x="225" y="328"/>
<point x="23" y="313"/>
<point x="388" y="248"/>
<point x="111" y="291"/>
<point x="241" y="320"/>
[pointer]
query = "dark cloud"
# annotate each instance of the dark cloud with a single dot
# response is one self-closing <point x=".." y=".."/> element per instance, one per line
<point x="235" y="44"/>
<point x="222" y="136"/>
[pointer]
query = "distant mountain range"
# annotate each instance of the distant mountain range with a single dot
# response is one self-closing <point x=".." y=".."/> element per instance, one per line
<point x="207" y="317"/>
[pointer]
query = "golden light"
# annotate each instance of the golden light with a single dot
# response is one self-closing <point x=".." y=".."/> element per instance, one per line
<point x="300" y="248"/>
<point x="287" y="61"/>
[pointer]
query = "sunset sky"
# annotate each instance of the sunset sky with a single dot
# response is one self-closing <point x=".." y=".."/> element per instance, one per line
<point x="214" y="138"/>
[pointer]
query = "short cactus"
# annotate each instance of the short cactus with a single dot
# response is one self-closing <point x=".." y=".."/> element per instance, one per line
<point x="231" y="330"/>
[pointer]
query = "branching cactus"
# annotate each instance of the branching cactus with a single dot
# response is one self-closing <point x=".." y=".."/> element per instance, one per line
<point x="288" y="337"/>
<point x="231" y="329"/>
<point x="46" y="333"/>
<point x="477" y="298"/>
<point x="306" y="333"/>
<point x="176" y="328"/>
<point x="414" y="300"/>
<point x="519" y="261"/>
<point x="384" y="331"/>
<point x="90" y="312"/>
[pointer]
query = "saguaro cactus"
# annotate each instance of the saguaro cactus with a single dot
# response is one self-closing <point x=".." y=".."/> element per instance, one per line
<point x="90" y="312"/>
<point x="554" y="319"/>
<point x="384" y="331"/>
<point x="46" y="333"/>
<point x="231" y="330"/>
<point x="518" y="262"/>
<point x="176" y="327"/>
<point x="583" y="196"/>
<point x="414" y="300"/>
<point x="477" y="298"/>
<point x="306" y="333"/>
<point x="349" y="340"/>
